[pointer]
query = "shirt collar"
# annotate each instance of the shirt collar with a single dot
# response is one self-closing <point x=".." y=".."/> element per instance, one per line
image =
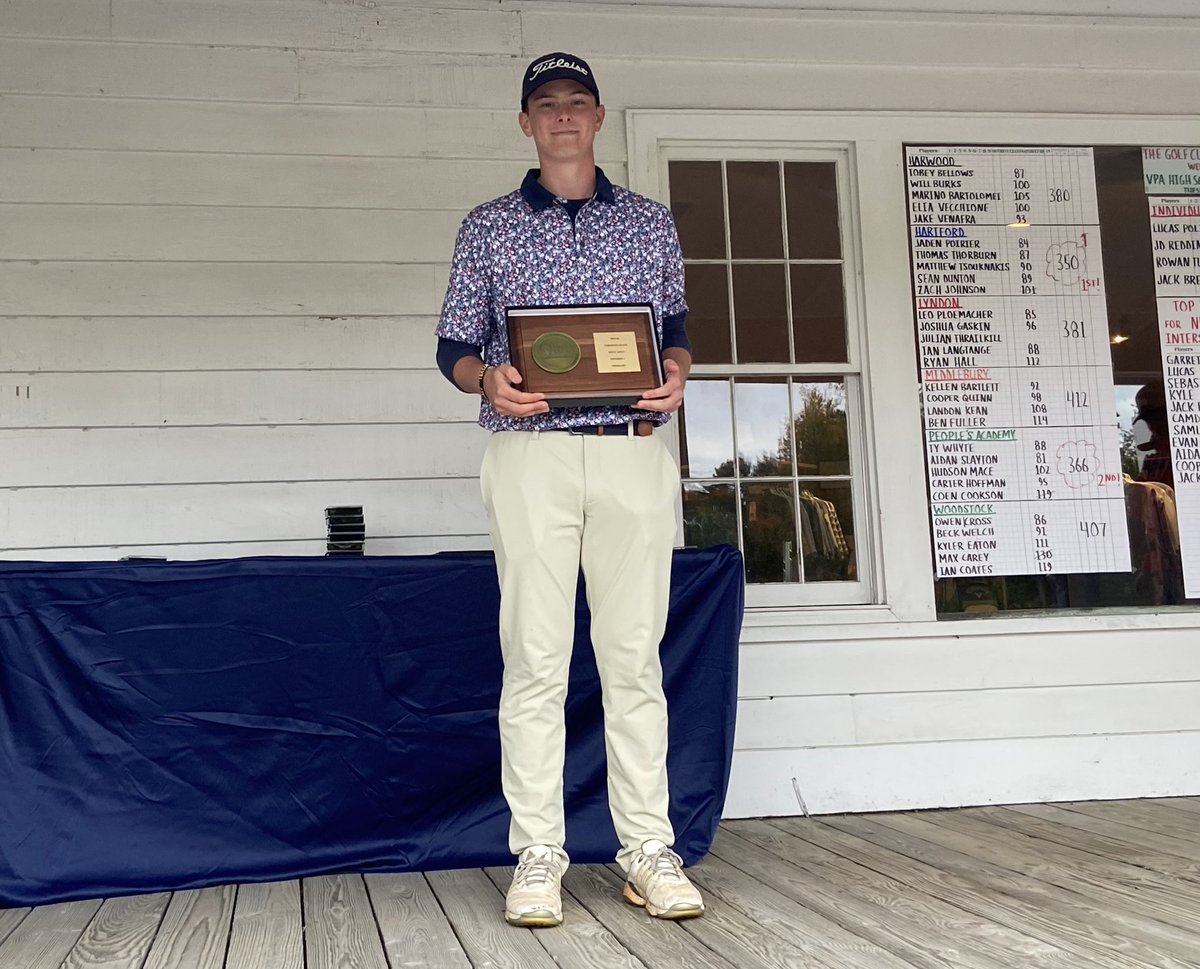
<point x="539" y="197"/>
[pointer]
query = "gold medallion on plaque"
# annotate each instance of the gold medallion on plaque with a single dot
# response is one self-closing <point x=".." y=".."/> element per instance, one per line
<point x="556" y="352"/>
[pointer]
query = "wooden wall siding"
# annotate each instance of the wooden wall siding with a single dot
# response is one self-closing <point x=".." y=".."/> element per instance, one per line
<point x="900" y="776"/>
<point x="217" y="343"/>
<point x="225" y="228"/>
<point x="211" y="211"/>
<point x="1079" y="9"/>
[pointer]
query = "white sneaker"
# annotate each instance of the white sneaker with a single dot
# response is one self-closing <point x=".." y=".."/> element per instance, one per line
<point x="534" y="898"/>
<point x="656" y="880"/>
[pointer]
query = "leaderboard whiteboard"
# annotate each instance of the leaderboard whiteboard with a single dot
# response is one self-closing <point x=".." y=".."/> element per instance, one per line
<point x="1021" y="439"/>
<point x="1175" y="237"/>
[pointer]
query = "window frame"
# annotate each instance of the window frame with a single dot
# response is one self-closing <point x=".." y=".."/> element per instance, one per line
<point x="890" y="431"/>
<point x="860" y="591"/>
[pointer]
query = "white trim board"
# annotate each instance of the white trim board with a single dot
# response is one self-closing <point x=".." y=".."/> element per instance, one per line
<point x="901" y="777"/>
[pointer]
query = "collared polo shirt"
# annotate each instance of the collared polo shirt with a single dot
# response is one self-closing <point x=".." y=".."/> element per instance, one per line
<point x="525" y="249"/>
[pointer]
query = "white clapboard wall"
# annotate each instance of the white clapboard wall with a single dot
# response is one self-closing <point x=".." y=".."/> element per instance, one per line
<point x="225" y="225"/>
<point x="225" y="228"/>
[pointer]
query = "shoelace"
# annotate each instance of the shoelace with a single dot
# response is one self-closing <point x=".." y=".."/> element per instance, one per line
<point x="666" y="862"/>
<point x="536" y="871"/>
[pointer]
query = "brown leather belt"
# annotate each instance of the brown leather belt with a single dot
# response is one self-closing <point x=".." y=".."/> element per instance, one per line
<point x="640" y="429"/>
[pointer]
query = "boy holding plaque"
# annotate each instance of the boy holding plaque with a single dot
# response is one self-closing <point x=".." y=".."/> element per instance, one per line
<point x="581" y="485"/>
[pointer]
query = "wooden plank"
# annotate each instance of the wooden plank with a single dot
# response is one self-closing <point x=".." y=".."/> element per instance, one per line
<point x="47" y="934"/>
<point x="48" y="175"/>
<point x="119" y="935"/>
<point x="475" y="907"/>
<point x="147" y="70"/>
<point x="1138" y="940"/>
<point x="414" y="930"/>
<point x="763" y="36"/>
<point x="815" y="721"/>
<point x="1108" y="10"/>
<point x="1149" y="882"/>
<point x="63" y="457"/>
<point x="375" y="545"/>
<point x="933" y="661"/>
<point x="1183" y="804"/>
<point x="378" y="25"/>
<point x="1113" y="829"/>
<point x="1144" y="818"/>
<point x="1103" y="846"/>
<point x="581" y="940"/>
<point x="883" y="718"/>
<point x="890" y="777"/>
<point x="74" y="343"/>
<point x="231" y="397"/>
<point x="339" y="928"/>
<point x="137" y="124"/>
<point x="790" y="922"/>
<point x="53" y="517"/>
<point x="916" y="929"/>
<point x="1048" y="711"/>
<point x="220" y="289"/>
<point x="492" y="81"/>
<point x="10" y="918"/>
<point x="917" y="87"/>
<point x="834" y="82"/>
<point x="225" y="234"/>
<point x="267" y="931"/>
<point x="1119" y="45"/>
<point x="379" y="77"/>
<point x="195" y="930"/>
<point x="1091" y="946"/>
<point x="1124" y="891"/>
<point x="657" y="943"/>
<point x="55" y="18"/>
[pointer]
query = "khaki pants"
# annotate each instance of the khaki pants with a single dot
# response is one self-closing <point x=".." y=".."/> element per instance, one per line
<point x="558" y="501"/>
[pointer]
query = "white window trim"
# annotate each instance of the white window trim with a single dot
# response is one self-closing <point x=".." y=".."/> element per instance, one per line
<point x="859" y="591"/>
<point x="893" y="440"/>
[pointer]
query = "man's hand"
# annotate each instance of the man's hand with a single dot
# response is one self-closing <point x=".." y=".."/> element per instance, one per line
<point x="667" y="398"/>
<point x="500" y="385"/>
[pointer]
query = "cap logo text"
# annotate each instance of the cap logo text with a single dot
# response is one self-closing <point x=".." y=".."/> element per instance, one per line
<point x="556" y="62"/>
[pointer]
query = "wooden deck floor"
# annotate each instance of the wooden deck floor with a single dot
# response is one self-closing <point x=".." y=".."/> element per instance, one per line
<point x="1111" y="885"/>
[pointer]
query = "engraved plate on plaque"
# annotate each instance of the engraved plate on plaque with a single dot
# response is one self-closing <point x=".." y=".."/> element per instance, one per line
<point x="616" y="352"/>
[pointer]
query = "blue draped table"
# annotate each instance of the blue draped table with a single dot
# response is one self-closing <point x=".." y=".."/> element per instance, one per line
<point x="174" y="725"/>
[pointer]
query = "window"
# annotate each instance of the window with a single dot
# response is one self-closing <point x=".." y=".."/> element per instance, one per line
<point x="1149" y="508"/>
<point x="745" y="463"/>
<point x="770" y="430"/>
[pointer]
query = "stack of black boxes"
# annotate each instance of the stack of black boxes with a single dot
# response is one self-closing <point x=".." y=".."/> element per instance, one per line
<point x="346" y="530"/>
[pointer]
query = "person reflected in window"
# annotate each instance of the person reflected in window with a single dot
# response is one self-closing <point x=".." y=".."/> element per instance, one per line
<point x="1151" y="404"/>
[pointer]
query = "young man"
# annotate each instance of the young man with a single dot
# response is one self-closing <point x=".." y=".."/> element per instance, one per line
<point x="590" y="486"/>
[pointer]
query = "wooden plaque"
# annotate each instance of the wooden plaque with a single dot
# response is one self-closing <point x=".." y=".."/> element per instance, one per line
<point x="581" y="356"/>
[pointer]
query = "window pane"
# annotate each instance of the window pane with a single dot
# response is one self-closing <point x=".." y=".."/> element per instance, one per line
<point x="769" y="532"/>
<point x="812" y="210"/>
<point x="755" y="223"/>
<point x="764" y="444"/>
<point x="1156" y="578"/>
<point x="699" y="210"/>
<point x="827" y="532"/>
<point x="760" y="312"/>
<point x="818" y="314"/>
<point x="708" y="314"/>
<point x="706" y="439"/>
<point x="709" y="515"/>
<point x="822" y="440"/>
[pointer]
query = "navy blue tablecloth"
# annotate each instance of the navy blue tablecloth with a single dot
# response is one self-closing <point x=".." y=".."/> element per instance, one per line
<point x="174" y="725"/>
